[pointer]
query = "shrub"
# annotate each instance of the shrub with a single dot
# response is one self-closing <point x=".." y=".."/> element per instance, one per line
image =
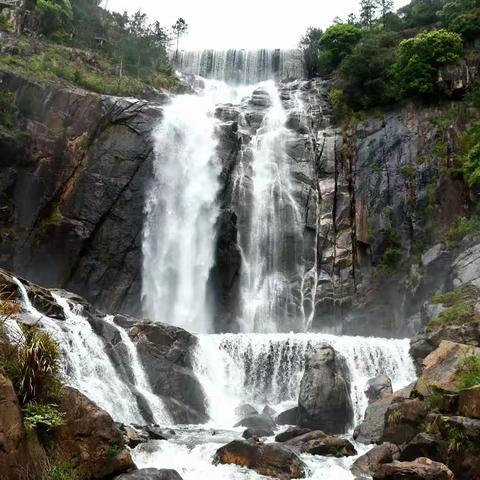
<point x="420" y="57"/>
<point x="43" y="417"/>
<point x="60" y="471"/>
<point x="469" y="371"/>
<point x="461" y="228"/>
<point x="390" y="259"/>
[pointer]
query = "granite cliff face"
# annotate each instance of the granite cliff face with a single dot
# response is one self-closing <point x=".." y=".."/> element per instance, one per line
<point x="372" y="199"/>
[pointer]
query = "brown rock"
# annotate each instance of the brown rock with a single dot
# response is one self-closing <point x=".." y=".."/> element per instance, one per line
<point x="291" y="432"/>
<point x="89" y="441"/>
<point x="270" y="459"/>
<point x="441" y="366"/>
<point x="368" y="463"/>
<point x="319" y="443"/>
<point x="469" y="402"/>
<point x="21" y="454"/>
<point x="420" y="469"/>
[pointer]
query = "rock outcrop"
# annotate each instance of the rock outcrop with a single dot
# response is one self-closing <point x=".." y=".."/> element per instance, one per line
<point x="324" y="401"/>
<point x="420" y="469"/>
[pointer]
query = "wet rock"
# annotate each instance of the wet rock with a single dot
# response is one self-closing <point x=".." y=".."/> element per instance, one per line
<point x="288" y="417"/>
<point x="445" y="424"/>
<point x="440" y="368"/>
<point x="254" y="119"/>
<point x="290" y="433"/>
<point x="271" y="459"/>
<point x="466" y="267"/>
<point x="403" y="420"/>
<point x="89" y="441"/>
<point x="261" y="98"/>
<point x="425" y="445"/>
<point x="319" y="443"/>
<point x="257" y="422"/>
<point x="267" y="410"/>
<point x="245" y="410"/>
<point x="324" y="400"/>
<point x="252" y="433"/>
<point x="372" y="428"/>
<point x="132" y="436"/>
<point x="378" y="387"/>
<point x="366" y="465"/>
<point x="150" y="474"/>
<point x="419" y="469"/>
<point x="469" y="402"/>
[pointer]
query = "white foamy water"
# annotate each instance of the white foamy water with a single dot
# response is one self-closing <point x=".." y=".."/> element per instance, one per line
<point x="266" y="369"/>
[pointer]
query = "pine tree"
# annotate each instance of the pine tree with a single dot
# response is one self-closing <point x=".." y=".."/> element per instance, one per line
<point x="386" y="7"/>
<point x="368" y="12"/>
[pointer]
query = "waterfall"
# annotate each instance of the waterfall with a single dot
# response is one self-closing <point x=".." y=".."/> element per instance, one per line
<point x="241" y="66"/>
<point x="182" y="209"/>
<point x="87" y="366"/>
<point x="265" y="369"/>
<point x="272" y="244"/>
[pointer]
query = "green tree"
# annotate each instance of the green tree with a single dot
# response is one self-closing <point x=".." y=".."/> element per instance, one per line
<point x="419" y="59"/>
<point x="421" y="12"/>
<point x="368" y="9"/>
<point x="337" y="42"/>
<point x="386" y="7"/>
<point x="309" y="47"/>
<point x="179" y="29"/>
<point x="54" y="17"/>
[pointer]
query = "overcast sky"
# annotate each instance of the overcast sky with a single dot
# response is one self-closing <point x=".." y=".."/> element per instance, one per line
<point x="247" y="24"/>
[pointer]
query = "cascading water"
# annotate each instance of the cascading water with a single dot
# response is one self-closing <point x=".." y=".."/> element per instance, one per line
<point x="241" y="66"/>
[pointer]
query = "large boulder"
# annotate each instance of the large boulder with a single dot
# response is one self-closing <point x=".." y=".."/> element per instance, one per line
<point x="365" y="465"/>
<point x="245" y="410"/>
<point x="291" y="432"/>
<point x="440" y="368"/>
<point x="378" y="387"/>
<point x="253" y="433"/>
<point x="420" y="469"/>
<point x="150" y="474"/>
<point x="324" y="401"/>
<point x="288" y="417"/>
<point x="89" y="441"/>
<point x="319" y="443"/>
<point x="257" y="422"/>
<point x="270" y="459"/>
<point x="469" y="402"/>
<point x="20" y="450"/>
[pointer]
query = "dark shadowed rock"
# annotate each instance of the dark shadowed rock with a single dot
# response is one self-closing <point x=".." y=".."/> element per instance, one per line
<point x="419" y="469"/>
<point x="366" y="465"/>
<point x="288" y="417"/>
<point x="469" y="402"/>
<point x="319" y="443"/>
<point x="378" y="387"/>
<point x="257" y="422"/>
<point x="270" y="459"/>
<point x="425" y="445"/>
<point x="251" y="433"/>
<point x="291" y="432"/>
<point x="150" y="474"/>
<point x="324" y="400"/>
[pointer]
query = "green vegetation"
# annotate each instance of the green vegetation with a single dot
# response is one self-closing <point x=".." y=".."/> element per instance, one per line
<point x="43" y="417"/>
<point x="457" y="440"/>
<point x="468" y="156"/>
<point x="392" y="255"/>
<point x="61" y="471"/>
<point x="469" y="371"/>
<point x="460" y="307"/>
<point x="113" y="450"/>
<point x="461" y="228"/>
<point x="380" y="57"/>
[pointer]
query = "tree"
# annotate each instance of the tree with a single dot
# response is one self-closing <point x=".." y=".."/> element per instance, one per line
<point x="421" y="12"/>
<point x="337" y="42"/>
<point x="55" y="17"/>
<point x="386" y="7"/>
<point x="367" y="12"/>
<point x="419" y="59"/>
<point x="309" y="47"/>
<point x="179" y="29"/>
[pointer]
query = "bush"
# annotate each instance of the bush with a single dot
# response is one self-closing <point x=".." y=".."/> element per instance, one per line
<point x="55" y="17"/>
<point x="43" y="417"/>
<point x="468" y="156"/>
<point x="60" y="471"/>
<point x="469" y="371"/>
<point x="419" y="59"/>
<point x="461" y="228"/>
<point x="390" y="259"/>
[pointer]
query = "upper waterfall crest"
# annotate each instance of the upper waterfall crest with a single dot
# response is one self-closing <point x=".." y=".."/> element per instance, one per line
<point x="241" y="66"/>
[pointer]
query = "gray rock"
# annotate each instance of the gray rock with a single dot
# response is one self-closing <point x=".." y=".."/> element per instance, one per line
<point x="288" y="417"/>
<point x="257" y="422"/>
<point x="150" y="474"/>
<point x="245" y="410"/>
<point x="253" y="433"/>
<point x="365" y="465"/>
<point x="290" y="433"/>
<point x="324" y="400"/>
<point x="378" y="387"/>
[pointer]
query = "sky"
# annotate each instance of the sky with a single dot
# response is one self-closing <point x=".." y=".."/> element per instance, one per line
<point x="249" y="24"/>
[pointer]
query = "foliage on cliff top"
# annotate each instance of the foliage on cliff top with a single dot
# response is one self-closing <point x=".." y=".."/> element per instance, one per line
<point x="459" y="307"/>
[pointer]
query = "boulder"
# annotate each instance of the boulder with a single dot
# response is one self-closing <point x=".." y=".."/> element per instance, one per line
<point x="288" y="417"/>
<point x="324" y="400"/>
<point x="132" y="436"/>
<point x="420" y="469"/>
<point x="271" y="459"/>
<point x="440" y="368"/>
<point x="291" y="432"/>
<point x="425" y="445"/>
<point x="257" y="422"/>
<point x="403" y="420"/>
<point x="20" y="451"/>
<point x="251" y="433"/>
<point x="267" y="410"/>
<point x="89" y="440"/>
<point x="319" y="443"/>
<point x="378" y="387"/>
<point x="469" y="402"/>
<point x="245" y="410"/>
<point x="151" y="474"/>
<point x="365" y="465"/>
<point x="466" y="428"/>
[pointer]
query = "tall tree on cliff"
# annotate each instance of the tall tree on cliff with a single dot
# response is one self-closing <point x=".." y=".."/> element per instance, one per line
<point x="367" y="12"/>
<point x="309" y="47"/>
<point x="386" y="7"/>
<point x="179" y="29"/>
